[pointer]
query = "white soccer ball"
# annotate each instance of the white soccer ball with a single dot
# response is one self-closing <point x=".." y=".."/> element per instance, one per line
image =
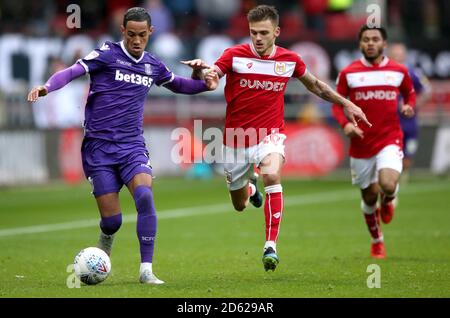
<point x="92" y="265"/>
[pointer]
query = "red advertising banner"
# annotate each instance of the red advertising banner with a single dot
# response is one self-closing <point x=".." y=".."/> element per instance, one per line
<point x="312" y="150"/>
<point x="69" y="155"/>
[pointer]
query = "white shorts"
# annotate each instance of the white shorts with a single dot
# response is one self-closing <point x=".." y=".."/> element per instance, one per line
<point x="365" y="171"/>
<point x="239" y="162"/>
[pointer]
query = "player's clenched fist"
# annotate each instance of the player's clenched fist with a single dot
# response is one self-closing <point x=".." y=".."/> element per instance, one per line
<point x="211" y="79"/>
<point x="36" y="92"/>
<point x="407" y="111"/>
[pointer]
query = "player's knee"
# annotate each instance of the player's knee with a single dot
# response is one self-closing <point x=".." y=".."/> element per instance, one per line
<point x="271" y="179"/>
<point x="111" y="224"/>
<point x="370" y="198"/>
<point x="143" y="198"/>
<point x="388" y="186"/>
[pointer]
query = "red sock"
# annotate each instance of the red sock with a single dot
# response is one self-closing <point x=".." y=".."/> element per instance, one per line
<point x="373" y="226"/>
<point x="273" y="211"/>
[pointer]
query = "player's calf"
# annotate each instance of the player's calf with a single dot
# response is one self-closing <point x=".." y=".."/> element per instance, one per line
<point x="240" y="198"/>
<point x="146" y="221"/>
<point x="388" y="202"/>
<point x="109" y="226"/>
<point x="371" y="217"/>
<point x="256" y="197"/>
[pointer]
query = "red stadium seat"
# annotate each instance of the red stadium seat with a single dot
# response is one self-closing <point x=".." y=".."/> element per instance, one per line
<point x="238" y="28"/>
<point x="291" y="26"/>
<point x="342" y="26"/>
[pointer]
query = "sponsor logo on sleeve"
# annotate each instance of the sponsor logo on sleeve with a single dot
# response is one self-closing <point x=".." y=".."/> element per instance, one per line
<point x="105" y="47"/>
<point x="91" y="56"/>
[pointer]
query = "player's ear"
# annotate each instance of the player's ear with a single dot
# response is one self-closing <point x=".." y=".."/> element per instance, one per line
<point x="151" y="29"/>
<point x="122" y="29"/>
<point x="277" y="31"/>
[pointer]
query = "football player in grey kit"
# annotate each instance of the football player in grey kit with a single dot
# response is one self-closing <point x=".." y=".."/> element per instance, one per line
<point x="113" y="151"/>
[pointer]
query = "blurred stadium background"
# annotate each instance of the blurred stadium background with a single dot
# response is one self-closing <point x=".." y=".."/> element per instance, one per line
<point x="40" y="142"/>
<point x="47" y="216"/>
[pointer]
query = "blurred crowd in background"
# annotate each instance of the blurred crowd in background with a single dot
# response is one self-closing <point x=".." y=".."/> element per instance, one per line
<point x="36" y="41"/>
<point x="197" y="18"/>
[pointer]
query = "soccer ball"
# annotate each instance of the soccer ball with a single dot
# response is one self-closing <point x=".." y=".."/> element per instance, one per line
<point x="92" y="265"/>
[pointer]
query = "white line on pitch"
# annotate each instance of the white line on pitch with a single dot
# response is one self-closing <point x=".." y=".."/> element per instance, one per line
<point x="294" y="200"/>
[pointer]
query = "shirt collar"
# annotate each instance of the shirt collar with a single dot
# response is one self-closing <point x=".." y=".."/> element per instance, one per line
<point x="383" y="63"/>
<point x="271" y="55"/>
<point x="129" y="55"/>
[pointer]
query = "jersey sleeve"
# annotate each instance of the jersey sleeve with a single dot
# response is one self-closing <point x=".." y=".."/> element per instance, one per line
<point x="416" y="80"/>
<point x="300" y="67"/>
<point x="407" y="90"/>
<point x="96" y="60"/>
<point x="342" y="89"/>
<point x="164" y="75"/>
<point x="224" y="64"/>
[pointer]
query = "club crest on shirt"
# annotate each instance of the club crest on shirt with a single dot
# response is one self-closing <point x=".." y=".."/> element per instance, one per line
<point x="390" y="79"/>
<point x="148" y="69"/>
<point x="105" y="47"/>
<point x="280" y="68"/>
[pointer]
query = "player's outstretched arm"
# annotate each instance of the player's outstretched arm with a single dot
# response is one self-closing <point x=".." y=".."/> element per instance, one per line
<point x="325" y="92"/>
<point x="197" y="66"/>
<point x="203" y="79"/>
<point x="189" y="86"/>
<point x="211" y="79"/>
<point x="56" y="81"/>
<point x="37" y="92"/>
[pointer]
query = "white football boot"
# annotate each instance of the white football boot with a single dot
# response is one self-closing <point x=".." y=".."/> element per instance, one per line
<point x="146" y="275"/>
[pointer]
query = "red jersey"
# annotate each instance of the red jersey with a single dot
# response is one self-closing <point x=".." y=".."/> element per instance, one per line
<point x="255" y="87"/>
<point x="375" y="89"/>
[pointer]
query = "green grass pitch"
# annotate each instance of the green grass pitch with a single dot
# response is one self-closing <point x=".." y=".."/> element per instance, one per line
<point x="205" y="249"/>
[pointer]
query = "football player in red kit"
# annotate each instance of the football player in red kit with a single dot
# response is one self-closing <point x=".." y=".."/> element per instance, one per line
<point x="257" y="74"/>
<point x="374" y="83"/>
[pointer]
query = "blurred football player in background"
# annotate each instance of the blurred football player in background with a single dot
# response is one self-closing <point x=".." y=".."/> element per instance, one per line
<point x="410" y="126"/>
<point x="374" y="82"/>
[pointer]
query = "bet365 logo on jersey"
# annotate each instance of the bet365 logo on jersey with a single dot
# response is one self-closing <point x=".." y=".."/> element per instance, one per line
<point x="133" y="78"/>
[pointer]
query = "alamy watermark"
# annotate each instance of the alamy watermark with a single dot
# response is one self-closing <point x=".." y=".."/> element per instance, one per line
<point x="374" y="18"/>
<point x="74" y="19"/>
<point x="72" y="280"/>
<point x="374" y="279"/>
<point x="231" y="146"/>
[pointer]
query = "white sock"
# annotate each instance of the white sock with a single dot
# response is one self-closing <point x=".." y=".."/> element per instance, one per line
<point x="273" y="188"/>
<point x="252" y="189"/>
<point x="271" y="244"/>
<point x="146" y="266"/>
<point x="368" y="209"/>
<point x="378" y="240"/>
